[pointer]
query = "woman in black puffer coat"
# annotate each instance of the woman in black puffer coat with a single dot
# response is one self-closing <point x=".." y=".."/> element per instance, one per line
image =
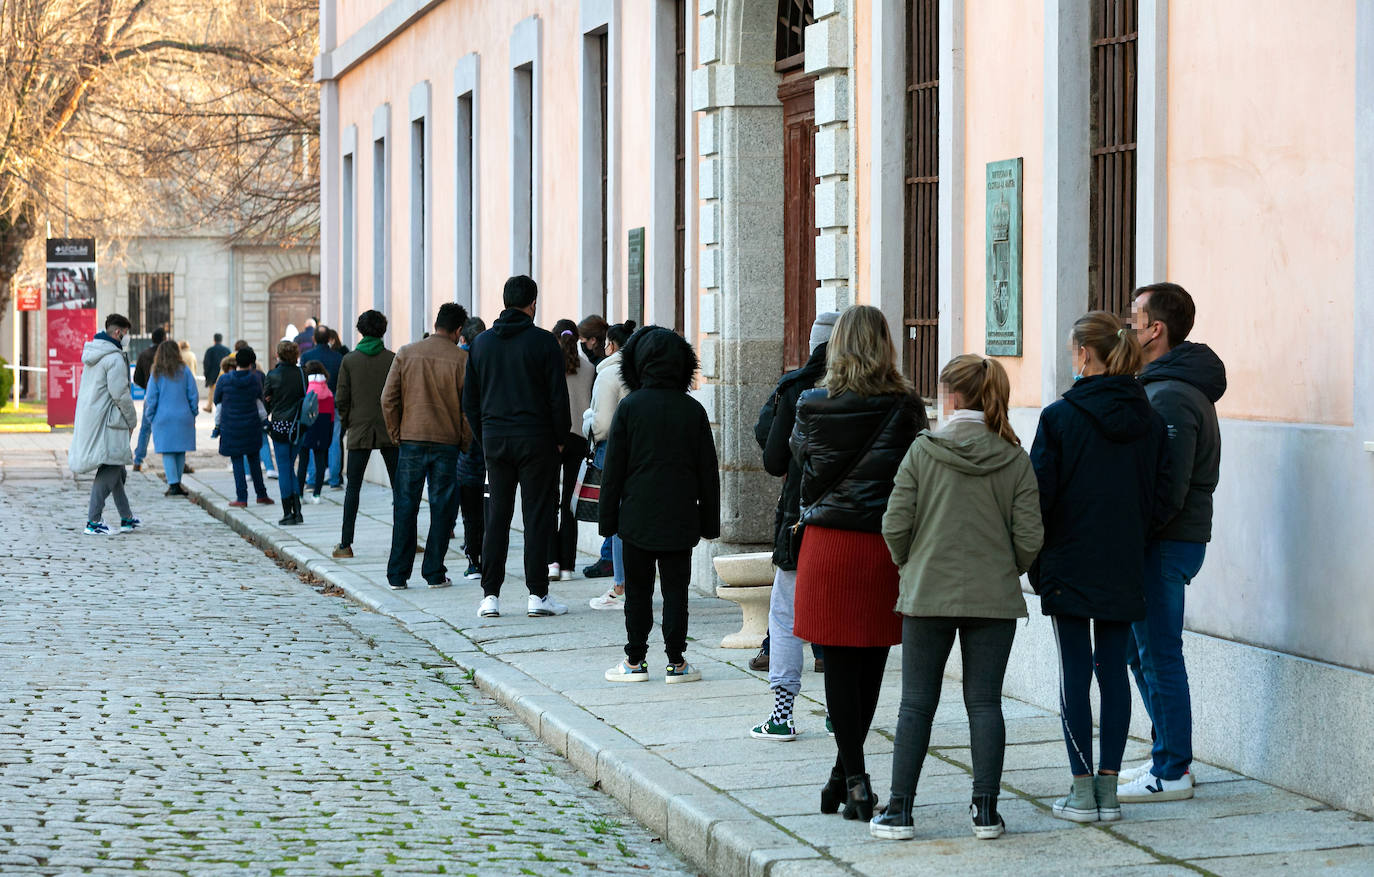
<point x="851" y="435"/>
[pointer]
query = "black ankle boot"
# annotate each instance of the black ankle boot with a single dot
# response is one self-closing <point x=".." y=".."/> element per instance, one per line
<point x="287" y="515"/>
<point x="859" y="803"/>
<point x="296" y="518"/>
<point x="987" y="824"/>
<point x="895" y="822"/>
<point x="833" y="792"/>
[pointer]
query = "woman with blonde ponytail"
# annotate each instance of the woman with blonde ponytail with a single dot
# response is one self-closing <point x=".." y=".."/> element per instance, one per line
<point x="962" y="524"/>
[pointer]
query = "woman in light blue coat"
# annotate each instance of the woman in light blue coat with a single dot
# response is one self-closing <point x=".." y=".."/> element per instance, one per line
<point x="171" y="407"/>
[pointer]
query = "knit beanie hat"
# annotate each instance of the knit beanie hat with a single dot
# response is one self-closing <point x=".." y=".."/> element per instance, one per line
<point x="822" y="328"/>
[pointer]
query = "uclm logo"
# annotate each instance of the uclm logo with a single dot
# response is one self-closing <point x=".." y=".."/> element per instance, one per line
<point x="71" y="250"/>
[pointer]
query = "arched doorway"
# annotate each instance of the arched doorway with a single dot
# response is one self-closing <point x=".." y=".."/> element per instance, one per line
<point x="291" y="301"/>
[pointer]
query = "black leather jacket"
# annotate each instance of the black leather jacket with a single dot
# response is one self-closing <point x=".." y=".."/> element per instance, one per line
<point x="828" y="435"/>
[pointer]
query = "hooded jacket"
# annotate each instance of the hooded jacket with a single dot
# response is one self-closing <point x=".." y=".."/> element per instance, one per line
<point x="773" y="433"/>
<point x="515" y="385"/>
<point x="358" y="399"/>
<point x="963" y="523"/>
<point x="607" y="392"/>
<point x="1100" y="457"/>
<point x="660" y="490"/>
<point x="105" y="415"/>
<point x="240" y="428"/>
<point x="1184" y="386"/>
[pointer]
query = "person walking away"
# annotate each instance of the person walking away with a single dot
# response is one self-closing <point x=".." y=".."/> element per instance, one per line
<point x="336" y="344"/>
<point x="1184" y="381"/>
<point x="592" y="330"/>
<point x="1099" y="453"/>
<point x="773" y="433"/>
<point x="242" y="419"/>
<point x="852" y="432"/>
<point x="143" y="368"/>
<point x="184" y="348"/>
<point x="580" y="375"/>
<point x="472" y="479"/>
<point x="660" y="494"/>
<point x="283" y="391"/>
<point x="226" y="365"/>
<point x="421" y="405"/>
<point x="171" y="407"/>
<point x="516" y="400"/>
<point x="607" y="391"/>
<point x="962" y="525"/>
<point x="358" y="409"/>
<point x="210" y="363"/>
<point x="317" y="438"/>
<point x="326" y="354"/>
<point x="104" y="422"/>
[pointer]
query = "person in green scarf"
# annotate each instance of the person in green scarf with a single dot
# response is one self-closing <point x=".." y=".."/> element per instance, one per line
<point x="358" y="407"/>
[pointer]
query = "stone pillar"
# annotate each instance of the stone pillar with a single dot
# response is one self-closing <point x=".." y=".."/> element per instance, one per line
<point x="828" y="43"/>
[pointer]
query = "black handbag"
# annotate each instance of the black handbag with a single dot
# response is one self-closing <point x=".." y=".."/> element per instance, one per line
<point x="587" y="495"/>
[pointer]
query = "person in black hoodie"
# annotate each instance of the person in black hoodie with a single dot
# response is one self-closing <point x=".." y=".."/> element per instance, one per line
<point x="1184" y="381"/>
<point x="660" y="493"/>
<point x="1098" y="456"/>
<point x="515" y="398"/>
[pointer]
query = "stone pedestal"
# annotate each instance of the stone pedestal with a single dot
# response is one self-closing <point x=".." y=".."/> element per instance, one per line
<point x="748" y="581"/>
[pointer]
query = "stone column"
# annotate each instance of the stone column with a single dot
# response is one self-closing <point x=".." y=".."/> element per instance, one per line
<point x="828" y="43"/>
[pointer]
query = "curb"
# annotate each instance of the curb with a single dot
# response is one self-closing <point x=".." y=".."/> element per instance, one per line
<point x="709" y="829"/>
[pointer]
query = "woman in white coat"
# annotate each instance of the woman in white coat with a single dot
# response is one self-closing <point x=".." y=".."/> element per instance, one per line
<point x="104" y="423"/>
<point x="607" y="392"/>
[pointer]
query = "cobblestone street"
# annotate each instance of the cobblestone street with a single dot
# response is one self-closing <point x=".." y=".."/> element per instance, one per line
<point x="173" y="701"/>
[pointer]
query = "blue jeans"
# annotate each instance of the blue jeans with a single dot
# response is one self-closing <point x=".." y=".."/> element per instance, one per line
<point x="241" y="480"/>
<point x="174" y="463"/>
<point x="335" y="461"/>
<point x="145" y="431"/>
<point x="612" y="548"/>
<point x="421" y="463"/>
<point x="265" y="455"/>
<point x="1156" y="653"/>
<point x="286" y="469"/>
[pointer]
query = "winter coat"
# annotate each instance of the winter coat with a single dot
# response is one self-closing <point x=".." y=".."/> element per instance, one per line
<point x="358" y="399"/>
<point x="607" y="392"/>
<point x="190" y="359"/>
<point x="515" y="385"/>
<point x="580" y="393"/>
<point x="1184" y="386"/>
<point x="1100" y="457"/>
<point x="963" y="523"/>
<point x="171" y="407"/>
<point x="332" y="360"/>
<point x="143" y="365"/>
<point x="422" y="398"/>
<point x="283" y="391"/>
<point x="660" y="489"/>
<point x="773" y="431"/>
<point x="210" y="364"/>
<point x="839" y="490"/>
<point x="240" y="427"/>
<point x="105" y="414"/>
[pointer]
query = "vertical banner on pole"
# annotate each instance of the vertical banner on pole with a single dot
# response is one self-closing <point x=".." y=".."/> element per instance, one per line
<point x="71" y="321"/>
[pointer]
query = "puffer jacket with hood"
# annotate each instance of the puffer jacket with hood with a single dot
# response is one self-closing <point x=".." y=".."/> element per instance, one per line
<point x="515" y="385"/>
<point x="660" y="490"/>
<point x="774" y="433"/>
<point x="837" y="490"/>
<point x="1101" y="459"/>
<point x="105" y="415"/>
<point x="607" y="392"/>
<point x="1184" y="386"/>
<point x="963" y="523"/>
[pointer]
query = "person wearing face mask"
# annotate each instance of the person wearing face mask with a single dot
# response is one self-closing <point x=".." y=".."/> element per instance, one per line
<point x="1099" y="456"/>
<point x="105" y="420"/>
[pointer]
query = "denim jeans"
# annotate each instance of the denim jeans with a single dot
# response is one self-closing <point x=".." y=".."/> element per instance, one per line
<point x="612" y="548"/>
<point x="265" y="456"/>
<point x="145" y="431"/>
<point x="421" y="464"/>
<point x="252" y="463"/>
<point x="174" y="463"/>
<point x="1156" y="653"/>
<point x="285" y="453"/>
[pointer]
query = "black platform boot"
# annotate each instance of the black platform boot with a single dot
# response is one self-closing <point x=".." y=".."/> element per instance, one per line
<point x="296" y="517"/>
<point x="895" y="822"/>
<point x="987" y="824"/>
<point x="287" y="515"/>
<point x="833" y="792"/>
<point x="859" y="803"/>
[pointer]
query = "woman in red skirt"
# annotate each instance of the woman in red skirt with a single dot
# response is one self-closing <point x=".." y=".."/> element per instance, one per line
<point x="852" y="432"/>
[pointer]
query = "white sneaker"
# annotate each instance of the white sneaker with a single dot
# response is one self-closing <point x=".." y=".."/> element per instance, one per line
<point x="1150" y="788"/>
<point x="544" y="606"/>
<point x="608" y="600"/>
<point x="1135" y="773"/>
<point x="315" y="499"/>
<point x="554" y="572"/>
<point x="565" y="576"/>
<point x="490" y="607"/>
<point x="271" y="473"/>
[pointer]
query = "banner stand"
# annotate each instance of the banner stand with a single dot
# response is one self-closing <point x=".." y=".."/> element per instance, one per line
<point x="71" y="321"/>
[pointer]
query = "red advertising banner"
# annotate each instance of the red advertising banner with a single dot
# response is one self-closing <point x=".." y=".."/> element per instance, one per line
<point x="71" y="321"/>
<point x="30" y="298"/>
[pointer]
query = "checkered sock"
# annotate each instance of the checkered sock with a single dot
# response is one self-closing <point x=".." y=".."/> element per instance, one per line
<point x="782" y="705"/>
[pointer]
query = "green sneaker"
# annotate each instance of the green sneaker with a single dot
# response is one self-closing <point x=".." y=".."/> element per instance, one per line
<point x="1080" y="804"/>
<point x="774" y="730"/>
<point x="1108" y="807"/>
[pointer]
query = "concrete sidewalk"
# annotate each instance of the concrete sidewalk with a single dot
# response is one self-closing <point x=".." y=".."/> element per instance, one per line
<point x="681" y="759"/>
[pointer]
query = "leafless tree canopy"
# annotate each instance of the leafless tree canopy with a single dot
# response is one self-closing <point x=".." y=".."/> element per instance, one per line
<point x="127" y="115"/>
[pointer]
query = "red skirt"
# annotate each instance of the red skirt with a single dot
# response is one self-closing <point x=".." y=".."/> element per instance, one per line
<point x="846" y="590"/>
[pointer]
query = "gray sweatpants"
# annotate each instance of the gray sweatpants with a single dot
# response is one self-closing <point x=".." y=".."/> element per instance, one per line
<point x="108" y="480"/>
<point x="784" y="648"/>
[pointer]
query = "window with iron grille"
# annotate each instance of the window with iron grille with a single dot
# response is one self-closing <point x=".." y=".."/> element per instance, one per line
<point x="921" y="306"/>
<point x="150" y="303"/>
<point x="793" y="17"/>
<point x="1111" y="260"/>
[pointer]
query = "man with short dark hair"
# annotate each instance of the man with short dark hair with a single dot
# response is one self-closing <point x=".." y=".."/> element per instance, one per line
<point x="214" y="356"/>
<point x="331" y="359"/>
<point x="358" y="411"/>
<point x="1184" y="381"/>
<point x="422" y="405"/>
<point x="105" y="418"/>
<point x="516" y="399"/>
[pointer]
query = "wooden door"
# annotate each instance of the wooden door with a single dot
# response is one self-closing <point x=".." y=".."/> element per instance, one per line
<point x="798" y="96"/>
<point x="291" y="301"/>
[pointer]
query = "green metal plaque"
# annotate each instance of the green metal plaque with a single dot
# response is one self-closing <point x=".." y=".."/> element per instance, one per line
<point x="636" y="272"/>
<point x="1003" y="218"/>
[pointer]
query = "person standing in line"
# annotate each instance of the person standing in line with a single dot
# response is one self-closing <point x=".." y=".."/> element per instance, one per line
<point x="516" y="399"/>
<point x="1099" y="455"/>
<point x="358" y="409"/>
<point x="852" y="432"/>
<point x="1183" y="381"/>
<point x="325" y="354"/>
<point x="472" y="478"/>
<point x="421" y="403"/>
<point x="283" y="391"/>
<point x="592" y="330"/>
<point x="305" y="338"/>
<point x="171" y="407"/>
<point x="317" y="437"/>
<point x="214" y="355"/>
<point x="607" y="392"/>
<point x="660" y="494"/>
<point x="105" y="420"/>
<point x="580" y="375"/>
<point x="963" y="524"/>
<point x="774" y="432"/>
<point x="242" y="416"/>
<point x="336" y="344"/>
<point x="143" y="368"/>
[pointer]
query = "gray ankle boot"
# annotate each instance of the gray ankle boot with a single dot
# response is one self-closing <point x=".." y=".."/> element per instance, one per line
<point x="1108" y="809"/>
<point x="1080" y="805"/>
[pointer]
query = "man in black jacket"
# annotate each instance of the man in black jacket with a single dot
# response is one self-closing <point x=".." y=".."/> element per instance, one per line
<point x="515" y="397"/>
<point x="1184" y="381"/>
<point x="214" y="355"/>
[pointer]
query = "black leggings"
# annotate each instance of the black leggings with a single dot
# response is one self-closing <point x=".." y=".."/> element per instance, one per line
<point x="853" y="681"/>
<point x="1082" y="654"/>
<point x="563" y="546"/>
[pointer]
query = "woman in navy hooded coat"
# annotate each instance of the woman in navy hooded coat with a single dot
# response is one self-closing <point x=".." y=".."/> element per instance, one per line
<point x="239" y="397"/>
